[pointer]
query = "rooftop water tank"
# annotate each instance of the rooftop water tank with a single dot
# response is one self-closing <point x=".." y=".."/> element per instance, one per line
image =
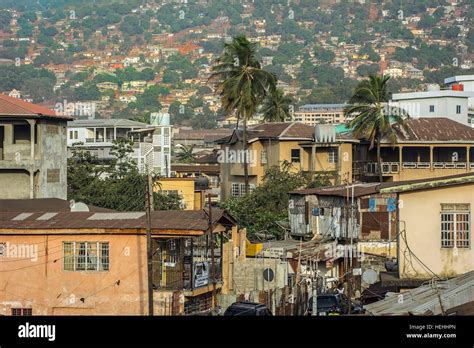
<point x="160" y="119"/>
<point x="325" y="133"/>
<point x="458" y="87"/>
<point x="201" y="183"/>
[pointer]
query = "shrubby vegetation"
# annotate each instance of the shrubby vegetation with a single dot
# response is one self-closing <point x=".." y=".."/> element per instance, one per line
<point x="116" y="185"/>
<point x="260" y="209"/>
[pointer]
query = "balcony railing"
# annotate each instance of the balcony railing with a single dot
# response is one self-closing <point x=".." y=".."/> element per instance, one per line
<point x="99" y="140"/>
<point x="394" y="167"/>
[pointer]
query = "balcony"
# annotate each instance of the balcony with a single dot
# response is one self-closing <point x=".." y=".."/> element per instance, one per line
<point x="395" y="167"/>
<point x="99" y="140"/>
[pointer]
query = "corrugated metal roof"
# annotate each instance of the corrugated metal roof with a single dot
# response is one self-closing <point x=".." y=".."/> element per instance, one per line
<point x="425" y="299"/>
<point x="364" y="189"/>
<point x="360" y="189"/>
<point x="116" y="216"/>
<point x="273" y="130"/>
<point x="194" y="220"/>
<point x="435" y="129"/>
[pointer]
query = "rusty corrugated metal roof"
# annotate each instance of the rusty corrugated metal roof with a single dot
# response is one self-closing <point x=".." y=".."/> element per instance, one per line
<point x="360" y="189"/>
<point x="192" y="220"/>
<point x="274" y="130"/>
<point x="364" y="189"/>
<point x="434" y="129"/>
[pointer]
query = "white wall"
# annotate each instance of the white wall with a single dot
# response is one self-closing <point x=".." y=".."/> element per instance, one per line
<point x="443" y="107"/>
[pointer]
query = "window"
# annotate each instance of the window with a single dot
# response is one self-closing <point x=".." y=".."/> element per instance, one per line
<point x="455" y="225"/>
<point x="432" y="108"/>
<point x="458" y="109"/>
<point x="238" y="190"/>
<point x="332" y="156"/>
<point x="263" y="157"/>
<point x="3" y="249"/>
<point x="235" y="191"/>
<point x="295" y="155"/>
<point x="22" y="311"/>
<point x="86" y="256"/>
<point x="242" y="190"/>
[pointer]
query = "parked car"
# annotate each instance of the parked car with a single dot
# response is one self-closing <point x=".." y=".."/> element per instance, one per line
<point x="247" y="309"/>
<point x="333" y="304"/>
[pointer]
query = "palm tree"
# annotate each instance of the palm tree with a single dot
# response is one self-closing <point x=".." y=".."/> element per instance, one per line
<point x="185" y="154"/>
<point x="276" y="107"/>
<point x="241" y="84"/>
<point x="371" y="121"/>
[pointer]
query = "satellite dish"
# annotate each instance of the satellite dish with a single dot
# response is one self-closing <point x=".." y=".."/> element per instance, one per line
<point x="79" y="206"/>
<point x="268" y="274"/>
<point x="369" y="276"/>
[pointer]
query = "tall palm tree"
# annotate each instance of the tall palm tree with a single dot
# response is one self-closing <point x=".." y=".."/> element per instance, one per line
<point x="276" y="107"/>
<point x="373" y="121"/>
<point x="242" y="84"/>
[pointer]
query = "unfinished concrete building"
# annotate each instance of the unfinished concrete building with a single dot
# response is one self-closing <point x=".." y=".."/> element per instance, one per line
<point x="33" y="151"/>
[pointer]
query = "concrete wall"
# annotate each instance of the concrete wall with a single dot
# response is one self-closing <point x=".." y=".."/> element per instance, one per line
<point x="44" y="286"/>
<point x="53" y="147"/>
<point x="420" y="212"/>
<point x="47" y="164"/>
<point x="248" y="274"/>
<point x="14" y="184"/>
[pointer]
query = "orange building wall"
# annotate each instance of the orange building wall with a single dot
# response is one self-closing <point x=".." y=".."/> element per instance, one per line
<point x="45" y="287"/>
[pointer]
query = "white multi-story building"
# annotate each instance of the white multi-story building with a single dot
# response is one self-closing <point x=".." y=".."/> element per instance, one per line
<point x="152" y="143"/>
<point x="467" y="83"/>
<point x="452" y="104"/>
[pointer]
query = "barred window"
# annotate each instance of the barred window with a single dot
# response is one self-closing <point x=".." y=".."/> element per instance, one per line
<point x="242" y="190"/>
<point x="455" y="226"/>
<point x="22" y="311"/>
<point x="332" y="156"/>
<point x="86" y="256"/>
<point x="263" y="157"/>
<point x="235" y="191"/>
<point x="3" y="249"/>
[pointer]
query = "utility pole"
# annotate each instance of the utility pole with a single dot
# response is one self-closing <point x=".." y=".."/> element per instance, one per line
<point x="314" y="310"/>
<point x="349" y="261"/>
<point x="211" y="237"/>
<point x="149" y="246"/>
